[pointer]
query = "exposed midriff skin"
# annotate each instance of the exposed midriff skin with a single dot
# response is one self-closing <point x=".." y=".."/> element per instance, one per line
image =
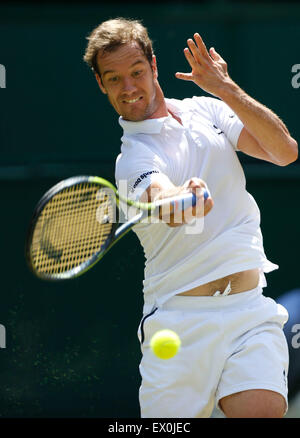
<point x="240" y="282"/>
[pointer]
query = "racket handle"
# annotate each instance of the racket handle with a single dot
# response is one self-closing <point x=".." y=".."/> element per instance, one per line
<point x="186" y="201"/>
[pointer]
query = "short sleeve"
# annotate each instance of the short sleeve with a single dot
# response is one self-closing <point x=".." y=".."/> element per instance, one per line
<point x="137" y="169"/>
<point x="225" y="119"/>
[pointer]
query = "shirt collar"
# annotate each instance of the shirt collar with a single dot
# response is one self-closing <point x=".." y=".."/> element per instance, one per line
<point x="149" y="126"/>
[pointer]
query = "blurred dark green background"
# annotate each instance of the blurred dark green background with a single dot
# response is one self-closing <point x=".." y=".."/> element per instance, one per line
<point x="71" y="348"/>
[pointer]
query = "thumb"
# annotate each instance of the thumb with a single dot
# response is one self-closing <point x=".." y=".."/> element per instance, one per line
<point x="184" y="76"/>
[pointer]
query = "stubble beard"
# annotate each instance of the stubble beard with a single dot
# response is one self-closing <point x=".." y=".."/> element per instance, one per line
<point x="148" y="111"/>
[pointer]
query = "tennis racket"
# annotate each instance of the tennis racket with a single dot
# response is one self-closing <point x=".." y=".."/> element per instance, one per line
<point x="78" y="220"/>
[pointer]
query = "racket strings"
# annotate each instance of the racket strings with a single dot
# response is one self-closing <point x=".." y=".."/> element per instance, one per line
<point x="74" y="225"/>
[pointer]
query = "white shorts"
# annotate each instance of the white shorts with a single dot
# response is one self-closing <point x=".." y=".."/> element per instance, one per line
<point x="229" y="344"/>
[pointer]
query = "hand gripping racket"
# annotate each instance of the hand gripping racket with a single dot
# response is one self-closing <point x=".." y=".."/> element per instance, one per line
<point x="78" y="220"/>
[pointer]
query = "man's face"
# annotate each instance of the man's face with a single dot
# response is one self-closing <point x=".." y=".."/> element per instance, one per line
<point x="130" y="82"/>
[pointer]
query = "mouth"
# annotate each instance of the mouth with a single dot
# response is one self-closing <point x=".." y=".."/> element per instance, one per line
<point x="131" y="101"/>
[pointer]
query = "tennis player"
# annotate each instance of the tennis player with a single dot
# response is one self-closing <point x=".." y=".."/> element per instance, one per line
<point x="206" y="286"/>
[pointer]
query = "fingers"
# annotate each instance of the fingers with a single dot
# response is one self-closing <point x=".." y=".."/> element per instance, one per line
<point x="191" y="55"/>
<point x="202" y="47"/>
<point x="193" y="64"/>
<point x="199" y="49"/>
<point x="196" y="55"/>
<point x="195" y="183"/>
<point x="208" y="205"/>
<point x="215" y="56"/>
<point x="202" y="207"/>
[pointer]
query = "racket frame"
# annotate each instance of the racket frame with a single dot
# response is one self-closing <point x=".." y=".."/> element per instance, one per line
<point x="117" y="231"/>
<point x="147" y="208"/>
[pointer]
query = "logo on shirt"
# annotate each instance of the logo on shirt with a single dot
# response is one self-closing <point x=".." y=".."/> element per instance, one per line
<point x="219" y="131"/>
<point x="141" y="177"/>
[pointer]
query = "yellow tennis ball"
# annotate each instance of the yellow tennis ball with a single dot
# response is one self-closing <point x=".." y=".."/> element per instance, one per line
<point x="165" y="344"/>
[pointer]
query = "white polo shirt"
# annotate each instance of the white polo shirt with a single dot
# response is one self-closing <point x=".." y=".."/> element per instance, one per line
<point x="229" y="238"/>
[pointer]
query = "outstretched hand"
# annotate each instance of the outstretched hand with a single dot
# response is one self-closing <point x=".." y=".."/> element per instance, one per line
<point x="209" y="70"/>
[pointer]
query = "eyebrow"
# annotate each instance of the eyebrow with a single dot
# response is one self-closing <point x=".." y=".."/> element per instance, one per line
<point x="139" y="61"/>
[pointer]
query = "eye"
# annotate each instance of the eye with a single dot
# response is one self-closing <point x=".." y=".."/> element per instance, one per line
<point x="113" y="79"/>
<point x="137" y="73"/>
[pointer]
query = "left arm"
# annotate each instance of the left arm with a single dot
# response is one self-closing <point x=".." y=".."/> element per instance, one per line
<point x="264" y="135"/>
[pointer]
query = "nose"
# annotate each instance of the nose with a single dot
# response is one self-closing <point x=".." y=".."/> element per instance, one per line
<point x="129" y="86"/>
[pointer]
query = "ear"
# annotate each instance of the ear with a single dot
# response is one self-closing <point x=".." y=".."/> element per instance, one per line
<point x="154" y="67"/>
<point x="98" y="79"/>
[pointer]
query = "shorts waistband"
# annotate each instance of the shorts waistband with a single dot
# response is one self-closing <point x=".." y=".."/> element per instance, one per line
<point x="179" y="302"/>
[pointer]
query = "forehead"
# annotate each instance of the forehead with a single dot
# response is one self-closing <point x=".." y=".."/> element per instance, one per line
<point x="120" y="58"/>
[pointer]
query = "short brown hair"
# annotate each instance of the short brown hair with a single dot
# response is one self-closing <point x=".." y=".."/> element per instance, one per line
<point x="112" y="34"/>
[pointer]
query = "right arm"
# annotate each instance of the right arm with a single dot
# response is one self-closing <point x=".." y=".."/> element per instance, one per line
<point x="157" y="191"/>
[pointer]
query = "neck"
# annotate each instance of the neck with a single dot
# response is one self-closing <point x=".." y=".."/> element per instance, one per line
<point x="161" y="110"/>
